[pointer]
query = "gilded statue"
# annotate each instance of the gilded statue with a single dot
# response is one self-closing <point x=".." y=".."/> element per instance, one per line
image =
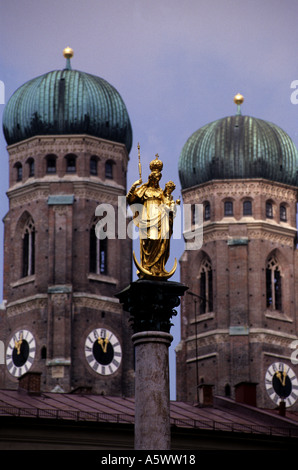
<point x="154" y="216"/>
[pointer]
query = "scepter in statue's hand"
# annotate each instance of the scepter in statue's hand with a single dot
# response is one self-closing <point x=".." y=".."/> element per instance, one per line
<point x="140" y="168"/>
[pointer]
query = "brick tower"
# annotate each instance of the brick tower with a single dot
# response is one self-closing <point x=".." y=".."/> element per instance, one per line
<point x="238" y="321"/>
<point x="69" y="137"/>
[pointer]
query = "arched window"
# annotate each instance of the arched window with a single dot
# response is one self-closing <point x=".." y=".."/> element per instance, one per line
<point x="283" y="213"/>
<point x="31" y="166"/>
<point x="273" y="285"/>
<point x="228" y="208"/>
<point x="98" y="251"/>
<point x="207" y="211"/>
<point x="269" y="210"/>
<point x="247" y="208"/>
<point x="19" y="171"/>
<point x="51" y="163"/>
<point x="196" y="215"/>
<point x="93" y="166"/>
<point x="206" y="288"/>
<point x="28" y="268"/>
<point x="109" y="169"/>
<point x="70" y="163"/>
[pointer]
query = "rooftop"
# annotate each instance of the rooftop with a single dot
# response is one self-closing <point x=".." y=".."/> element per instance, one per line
<point x="224" y="416"/>
<point x="67" y="101"/>
<point x="238" y="147"/>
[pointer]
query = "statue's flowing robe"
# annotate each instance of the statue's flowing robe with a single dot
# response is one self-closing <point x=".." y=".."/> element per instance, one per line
<point x="155" y="222"/>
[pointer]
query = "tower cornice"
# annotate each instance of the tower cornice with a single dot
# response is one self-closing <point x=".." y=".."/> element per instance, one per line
<point x="256" y="229"/>
<point x="81" y="187"/>
<point x="240" y="187"/>
<point x="61" y="144"/>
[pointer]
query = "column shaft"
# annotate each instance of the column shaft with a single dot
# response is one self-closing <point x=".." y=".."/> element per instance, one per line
<point x="152" y="401"/>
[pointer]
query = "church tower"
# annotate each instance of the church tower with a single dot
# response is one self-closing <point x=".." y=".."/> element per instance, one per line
<point x="239" y="319"/>
<point x="69" y="137"/>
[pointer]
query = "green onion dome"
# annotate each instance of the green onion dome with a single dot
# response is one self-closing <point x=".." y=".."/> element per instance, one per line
<point x="67" y="102"/>
<point x="238" y="147"/>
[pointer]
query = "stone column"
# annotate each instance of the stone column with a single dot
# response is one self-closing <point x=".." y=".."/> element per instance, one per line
<point x="152" y="398"/>
<point x="151" y="305"/>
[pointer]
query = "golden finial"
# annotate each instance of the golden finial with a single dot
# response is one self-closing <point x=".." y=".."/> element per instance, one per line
<point x="238" y="99"/>
<point x="68" y="52"/>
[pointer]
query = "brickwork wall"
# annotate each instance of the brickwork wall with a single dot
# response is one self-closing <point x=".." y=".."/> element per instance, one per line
<point x="240" y="338"/>
<point x="62" y="301"/>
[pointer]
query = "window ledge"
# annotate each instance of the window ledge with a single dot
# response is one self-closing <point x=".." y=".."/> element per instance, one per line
<point x="23" y="280"/>
<point x="277" y="315"/>
<point x="102" y="278"/>
<point x="203" y="317"/>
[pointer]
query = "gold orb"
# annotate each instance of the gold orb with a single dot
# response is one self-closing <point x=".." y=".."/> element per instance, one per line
<point x="68" y="53"/>
<point x="156" y="165"/>
<point x="238" y="99"/>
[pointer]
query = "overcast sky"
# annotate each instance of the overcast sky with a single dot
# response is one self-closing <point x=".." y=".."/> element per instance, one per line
<point x="177" y="65"/>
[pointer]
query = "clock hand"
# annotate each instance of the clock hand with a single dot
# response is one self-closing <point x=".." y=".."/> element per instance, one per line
<point x="284" y="378"/>
<point x="106" y="344"/>
<point x="18" y="344"/>
<point x="103" y="343"/>
<point x="278" y="375"/>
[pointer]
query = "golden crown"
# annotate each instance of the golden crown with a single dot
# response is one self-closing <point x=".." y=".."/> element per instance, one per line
<point x="156" y="165"/>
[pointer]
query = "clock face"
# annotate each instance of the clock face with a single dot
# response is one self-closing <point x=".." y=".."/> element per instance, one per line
<point x="103" y="351"/>
<point x="281" y="383"/>
<point x="20" y="353"/>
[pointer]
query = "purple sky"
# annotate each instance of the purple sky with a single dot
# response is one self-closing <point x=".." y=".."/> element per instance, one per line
<point x="176" y="64"/>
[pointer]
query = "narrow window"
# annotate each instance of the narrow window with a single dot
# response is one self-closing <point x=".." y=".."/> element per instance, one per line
<point x="43" y="352"/>
<point x="93" y="166"/>
<point x="207" y="212"/>
<point x="228" y="208"/>
<point x="273" y="285"/>
<point x="283" y="213"/>
<point x="103" y="246"/>
<point x="70" y="163"/>
<point x="193" y="214"/>
<point x="28" y="249"/>
<point x="93" y="250"/>
<point x="206" y="288"/>
<point x="269" y="210"/>
<point x="97" y="253"/>
<point x="247" y="208"/>
<point x="109" y="169"/>
<point x="19" y="171"/>
<point x="31" y="167"/>
<point x="51" y="164"/>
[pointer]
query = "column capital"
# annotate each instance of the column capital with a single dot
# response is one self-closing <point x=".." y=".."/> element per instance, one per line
<point x="151" y="304"/>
